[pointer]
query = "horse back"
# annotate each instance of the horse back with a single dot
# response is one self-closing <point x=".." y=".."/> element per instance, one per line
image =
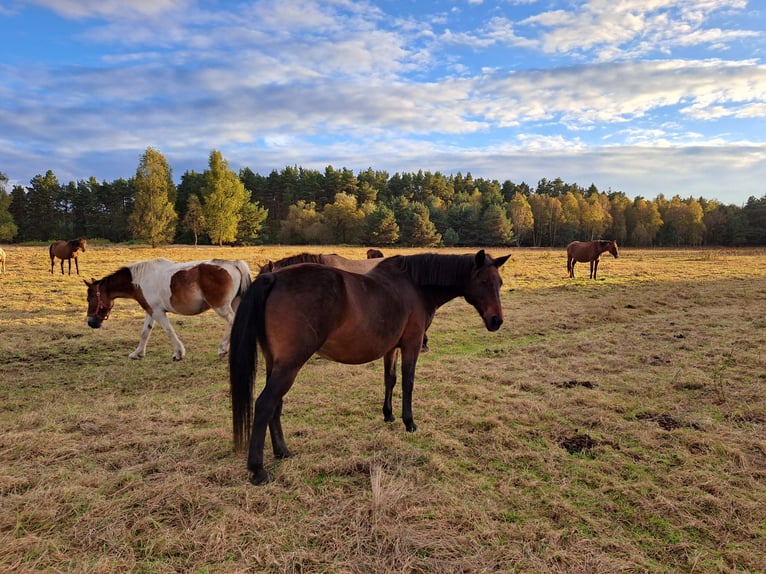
<point x="198" y="288"/>
<point x="341" y="315"/>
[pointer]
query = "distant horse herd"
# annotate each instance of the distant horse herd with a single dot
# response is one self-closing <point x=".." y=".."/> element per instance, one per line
<point x="345" y="310"/>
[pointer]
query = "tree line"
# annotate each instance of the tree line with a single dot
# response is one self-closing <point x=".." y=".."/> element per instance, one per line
<point x="337" y="206"/>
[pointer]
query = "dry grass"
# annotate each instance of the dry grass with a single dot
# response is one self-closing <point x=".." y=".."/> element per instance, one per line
<point x="653" y="377"/>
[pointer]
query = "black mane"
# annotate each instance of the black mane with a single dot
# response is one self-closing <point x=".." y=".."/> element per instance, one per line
<point x="433" y="269"/>
<point x="295" y="259"/>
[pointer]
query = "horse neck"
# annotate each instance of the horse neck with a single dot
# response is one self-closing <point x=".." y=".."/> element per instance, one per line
<point x="120" y="284"/>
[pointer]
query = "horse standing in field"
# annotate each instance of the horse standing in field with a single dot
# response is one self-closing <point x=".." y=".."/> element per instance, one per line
<point x="584" y="251"/>
<point x="67" y="250"/>
<point x="2" y="260"/>
<point x="295" y="312"/>
<point x="161" y="286"/>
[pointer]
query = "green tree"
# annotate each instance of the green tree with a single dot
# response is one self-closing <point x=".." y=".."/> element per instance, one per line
<point x="521" y="217"/>
<point x="643" y="221"/>
<point x="42" y="195"/>
<point x="19" y="210"/>
<point x="224" y="196"/>
<point x="496" y="227"/>
<point x="303" y="225"/>
<point x="8" y="229"/>
<point x="251" y="222"/>
<point x="417" y="229"/>
<point x="382" y="228"/>
<point x="153" y="218"/>
<point x="194" y="220"/>
<point x="344" y="219"/>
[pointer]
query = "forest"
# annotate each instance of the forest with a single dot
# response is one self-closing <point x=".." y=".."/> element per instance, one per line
<point x="297" y="206"/>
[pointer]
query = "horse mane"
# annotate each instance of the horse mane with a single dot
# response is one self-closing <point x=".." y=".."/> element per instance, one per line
<point x="433" y="269"/>
<point x="295" y="259"/>
<point x="139" y="269"/>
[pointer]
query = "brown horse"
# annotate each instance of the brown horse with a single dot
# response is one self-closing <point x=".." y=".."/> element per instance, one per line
<point x="373" y="253"/>
<point x="161" y="286"/>
<point x="584" y="251"/>
<point x="67" y="250"/>
<point x="350" y="318"/>
<point x="329" y="259"/>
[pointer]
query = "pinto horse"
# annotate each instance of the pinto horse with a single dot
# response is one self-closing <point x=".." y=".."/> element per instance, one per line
<point x="349" y="318"/>
<point x="67" y="250"/>
<point x="584" y="251"/>
<point x="2" y="260"/>
<point x="161" y="286"/>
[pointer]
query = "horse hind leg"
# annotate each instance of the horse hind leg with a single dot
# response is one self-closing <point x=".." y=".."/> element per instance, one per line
<point x="227" y="312"/>
<point x="595" y="268"/>
<point x="268" y="412"/>
<point x="389" y="379"/>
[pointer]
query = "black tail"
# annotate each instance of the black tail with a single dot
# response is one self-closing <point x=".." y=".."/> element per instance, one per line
<point x="246" y="332"/>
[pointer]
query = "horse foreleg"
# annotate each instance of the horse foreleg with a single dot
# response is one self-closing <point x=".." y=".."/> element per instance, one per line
<point x="593" y="268"/>
<point x="389" y="378"/>
<point x="76" y="265"/>
<point x="268" y="411"/>
<point x="145" y="332"/>
<point x="179" y="351"/>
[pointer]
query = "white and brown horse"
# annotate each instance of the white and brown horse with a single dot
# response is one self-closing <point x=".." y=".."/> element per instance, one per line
<point x="161" y="286"/>
<point x="67" y="250"/>
<point x="2" y="260"/>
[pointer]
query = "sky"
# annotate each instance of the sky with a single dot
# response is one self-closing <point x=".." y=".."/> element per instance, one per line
<point x="646" y="97"/>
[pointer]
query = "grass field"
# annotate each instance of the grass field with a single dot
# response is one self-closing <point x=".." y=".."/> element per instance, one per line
<point x="616" y="425"/>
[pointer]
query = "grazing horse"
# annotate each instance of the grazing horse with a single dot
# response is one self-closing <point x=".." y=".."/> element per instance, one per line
<point x="584" y="251"/>
<point x="67" y="250"/>
<point x="2" y="260"/>
<point x="349" y="318"/>
<point x="161" y="286"/>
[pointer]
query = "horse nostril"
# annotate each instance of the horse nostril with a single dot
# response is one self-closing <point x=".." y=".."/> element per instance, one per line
<point x="93" y="323"/>
<point x="494" y="323"/>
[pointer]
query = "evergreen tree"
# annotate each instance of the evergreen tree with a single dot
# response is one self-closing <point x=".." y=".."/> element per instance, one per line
<point x="382" y="228"/>
<point x="251" y="221"/>
<point x="496" y="227"/>
<point x="8" y="229"/>
<point x="42" y="195"/>
<point x="153" y="218"/>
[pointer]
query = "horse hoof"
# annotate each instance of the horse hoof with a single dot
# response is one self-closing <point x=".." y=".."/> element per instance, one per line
<point x="389" y="418"/>
<point x="411" y="427"/>
<point x="283" y="454"/>
<point x="260" y="477"/>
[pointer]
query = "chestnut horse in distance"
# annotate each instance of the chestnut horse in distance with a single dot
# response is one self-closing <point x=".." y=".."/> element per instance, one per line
<point x="585" y="251"/>
<point x="67" y="250"/>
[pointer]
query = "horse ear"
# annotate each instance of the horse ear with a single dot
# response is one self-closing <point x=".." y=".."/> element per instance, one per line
<point x="480" y="257"/>
<point x="500" y="260"/>
<point x="86" y="282"/>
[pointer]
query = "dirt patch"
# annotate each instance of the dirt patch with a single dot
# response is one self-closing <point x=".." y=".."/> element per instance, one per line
<point x="666" y="421"/>
<point x="580" y="442"/>
<point x="575" y="383"/>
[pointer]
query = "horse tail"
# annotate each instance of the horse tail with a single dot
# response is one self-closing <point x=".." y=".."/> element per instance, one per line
<point x="244" y="276"/>
<point x="247" y="331"/>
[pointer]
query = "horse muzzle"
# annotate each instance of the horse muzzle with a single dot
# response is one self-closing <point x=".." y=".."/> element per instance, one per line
<point x="94" y="322"/>
<point x="493" y="322"/>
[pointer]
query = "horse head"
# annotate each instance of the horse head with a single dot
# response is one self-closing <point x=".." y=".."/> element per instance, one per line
<point x="613" y="249"/>
<point x="483" y="289"/>
<point x="99" y="303"/>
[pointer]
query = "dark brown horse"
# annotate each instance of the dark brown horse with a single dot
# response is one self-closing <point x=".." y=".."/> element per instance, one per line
<point x="161" y="286"/>
<point x="329" y="259"/>
<point x="67" y="250"/>
<point x="350" y="318"/>
<point x="584" y="251"/>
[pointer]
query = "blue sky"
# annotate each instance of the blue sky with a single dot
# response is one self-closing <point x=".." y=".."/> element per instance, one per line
<point x="640" y="96"/>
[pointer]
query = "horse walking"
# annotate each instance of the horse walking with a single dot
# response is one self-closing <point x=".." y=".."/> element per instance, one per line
<point x="584" y="251"/>
<point x="67" y="250"/>
<point x="161" y="286"/>
<point x="349" y="318"/>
